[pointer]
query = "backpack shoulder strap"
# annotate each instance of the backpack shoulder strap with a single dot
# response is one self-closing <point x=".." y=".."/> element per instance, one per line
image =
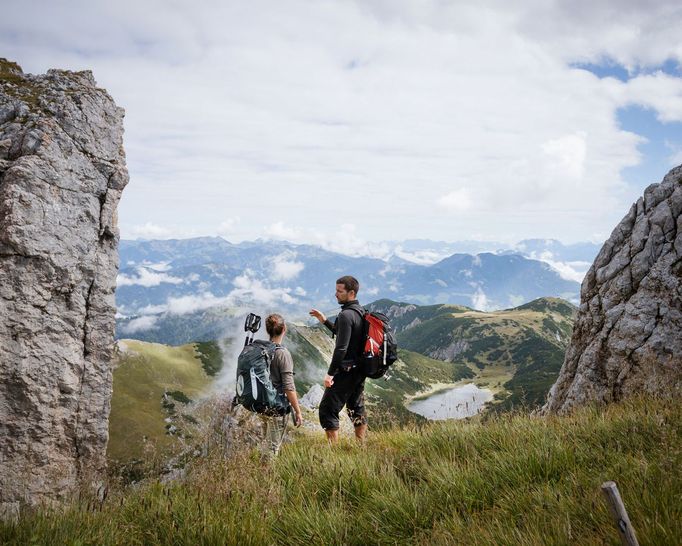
<point x="274" y="349"/>
<point x="269" y="350"/>
<point x="359" y="310"/>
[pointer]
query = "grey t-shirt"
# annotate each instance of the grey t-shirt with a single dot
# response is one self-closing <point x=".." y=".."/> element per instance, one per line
<point x="282" y="370"/>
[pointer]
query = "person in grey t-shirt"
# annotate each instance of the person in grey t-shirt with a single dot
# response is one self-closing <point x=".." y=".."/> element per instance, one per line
<point x="282" y="377"/>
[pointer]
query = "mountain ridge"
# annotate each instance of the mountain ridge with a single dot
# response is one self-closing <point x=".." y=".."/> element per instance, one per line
<point x="208" y="271"/>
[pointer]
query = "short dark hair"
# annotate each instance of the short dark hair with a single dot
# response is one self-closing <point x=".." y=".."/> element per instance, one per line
<point x="274" y="325"/>
<point x="349" y="283"/>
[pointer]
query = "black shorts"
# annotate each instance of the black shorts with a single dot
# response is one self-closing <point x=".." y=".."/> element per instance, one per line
<point x="348" y="389"/>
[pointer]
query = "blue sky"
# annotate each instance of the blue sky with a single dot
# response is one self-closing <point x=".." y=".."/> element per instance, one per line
<point x="660" y="150"/>
<point x="339" y="122"/>
<point x="662" y="141"/>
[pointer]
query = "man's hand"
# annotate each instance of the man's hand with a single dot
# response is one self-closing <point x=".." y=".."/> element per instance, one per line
<point x="298" y="418"/>
<point x="318" y="315"/>
<point x="328" y="380"/>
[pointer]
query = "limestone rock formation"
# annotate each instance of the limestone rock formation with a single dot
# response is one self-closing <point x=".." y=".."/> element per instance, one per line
<point x="313" y="397"/>
<point x="62" y="171"/>
<point x="627" y="336"/>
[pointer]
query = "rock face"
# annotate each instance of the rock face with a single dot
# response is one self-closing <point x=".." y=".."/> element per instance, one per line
<point x="627" y="337"/>
<point x="313" y="397"/>
<point x="62" y="170"/>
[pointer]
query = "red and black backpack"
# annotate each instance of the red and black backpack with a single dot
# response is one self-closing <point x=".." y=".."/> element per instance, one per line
<point x="380" y="350"/>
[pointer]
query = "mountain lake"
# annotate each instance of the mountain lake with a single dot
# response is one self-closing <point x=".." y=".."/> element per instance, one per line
<point x="455" y="403"/>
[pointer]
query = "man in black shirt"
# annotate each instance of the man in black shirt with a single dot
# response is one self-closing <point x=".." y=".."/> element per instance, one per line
<point x="344" y="382"/>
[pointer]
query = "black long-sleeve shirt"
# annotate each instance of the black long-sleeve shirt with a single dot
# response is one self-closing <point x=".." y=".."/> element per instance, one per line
<point x="348" y="331"/>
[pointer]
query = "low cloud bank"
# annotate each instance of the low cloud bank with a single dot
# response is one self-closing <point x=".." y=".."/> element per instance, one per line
<point x="141" y="324"/>
<point x="570" y="271"/>
<point x="147" y="276"/>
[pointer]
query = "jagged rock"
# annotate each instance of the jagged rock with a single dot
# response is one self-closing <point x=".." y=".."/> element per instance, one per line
<point x="450" y="352"/>
<point x="62" y="171"/>
<point x="313" y="397"/>
<point x="416" y="322"/>
<point x="627" y="337"/>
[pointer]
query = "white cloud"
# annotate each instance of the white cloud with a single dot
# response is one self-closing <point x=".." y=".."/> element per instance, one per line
<point x="228" y="227"/>
<point x="248" y="288"/>
<point x="420" y="257"/>
<point x="456" y="201"/>
<point x="161" y="266"/>
<point x="248" y="291"/>
<point x="280" y="231"/>
<point x="285" y="267"/>
<point x="191" y="303"/>
<point x="152" y="309"/>
<point x="659" y="91"/>
<point x="140" y="325"/>
<point x="147" y="231"/>
<point x="146" y="277"/>
<point x="479" y="300"/>
<point x="365" y="112"/>
<point x="346" y="240"/>
<point x="571" y="271"/>
<point x="567" y="154"/>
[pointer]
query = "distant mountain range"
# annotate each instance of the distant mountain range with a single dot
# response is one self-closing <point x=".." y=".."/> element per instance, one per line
<point x="176" y="277"/>
<point x="427" y="252"/>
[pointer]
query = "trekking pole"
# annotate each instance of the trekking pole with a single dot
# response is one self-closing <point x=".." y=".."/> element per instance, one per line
<point x="285" y="418"/>
<point x="251" y="324"/>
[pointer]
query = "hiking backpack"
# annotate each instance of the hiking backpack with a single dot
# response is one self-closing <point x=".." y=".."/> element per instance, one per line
<point x="381" y="349"/>
<point x="254" y="388"/>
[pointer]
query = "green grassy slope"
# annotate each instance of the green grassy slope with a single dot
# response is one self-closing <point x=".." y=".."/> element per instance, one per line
<point x="311" y="349"/>
<point x="519" y="349"/>
<point x="141" y="419"/>
<point x="508" y="480"/>
<point x="143" y="373"/>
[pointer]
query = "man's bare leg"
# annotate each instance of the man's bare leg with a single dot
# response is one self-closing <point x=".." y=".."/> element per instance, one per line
<point x="360" y="433"/>
<point x="332" y="436"/>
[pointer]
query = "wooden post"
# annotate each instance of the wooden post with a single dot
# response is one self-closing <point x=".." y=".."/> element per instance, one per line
<point x="620" y="516"/>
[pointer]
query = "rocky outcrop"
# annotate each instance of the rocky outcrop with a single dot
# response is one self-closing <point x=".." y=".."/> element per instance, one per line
<point x="313" y="397"/>
<point x="450" y="352"/>
<point x="627" y="337"/>
<point x="62" y="170"/>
